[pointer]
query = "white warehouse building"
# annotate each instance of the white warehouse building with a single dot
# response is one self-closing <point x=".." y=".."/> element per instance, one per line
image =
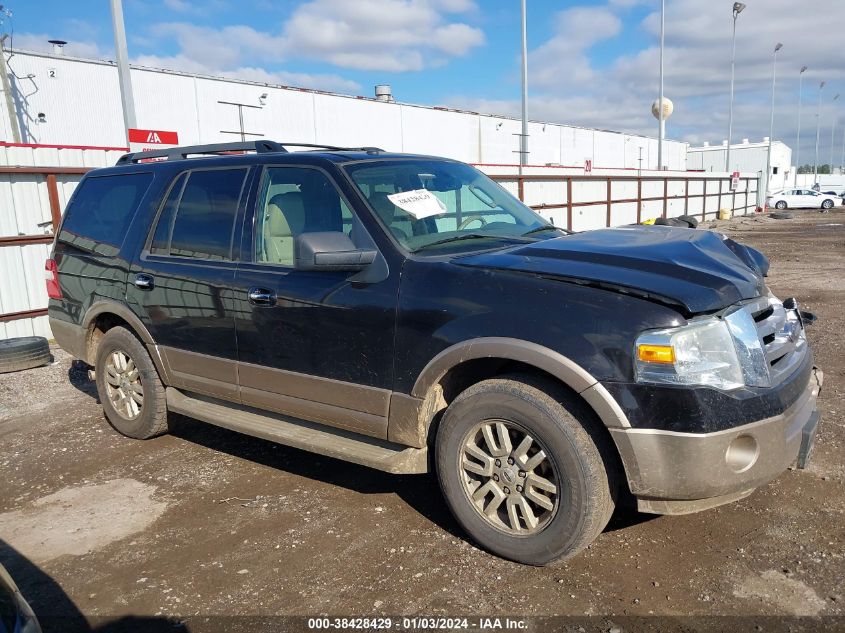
<point x="746" y="157"/>
<point x="71" y="101"/>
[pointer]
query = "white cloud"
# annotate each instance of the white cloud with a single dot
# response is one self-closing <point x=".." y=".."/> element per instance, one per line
<point x="617" y="94"/>
<point x="77" y="48"/>
<point x="391" y="35"/>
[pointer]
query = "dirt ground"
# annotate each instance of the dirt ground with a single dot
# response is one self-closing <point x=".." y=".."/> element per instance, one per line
<point x="206" y="522"/>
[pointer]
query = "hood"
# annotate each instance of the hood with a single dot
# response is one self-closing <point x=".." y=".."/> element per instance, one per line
<point x="700" y="271"/>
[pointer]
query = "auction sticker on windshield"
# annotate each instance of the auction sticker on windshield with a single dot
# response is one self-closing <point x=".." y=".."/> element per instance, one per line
<point x="420" y="203"/>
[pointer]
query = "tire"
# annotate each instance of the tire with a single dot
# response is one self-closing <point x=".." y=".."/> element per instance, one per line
<point x="780" y="204"/>
<point x="691" y="220"/>
<point x="782" y="215"/>
<point x="827" y="204"/>
<point x="116" y="379"/>
<point x="25" y="352"/>
<point x="577" y="463"/>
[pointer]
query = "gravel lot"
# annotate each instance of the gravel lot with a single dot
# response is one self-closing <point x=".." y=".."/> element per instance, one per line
<point x="206" y="522"/>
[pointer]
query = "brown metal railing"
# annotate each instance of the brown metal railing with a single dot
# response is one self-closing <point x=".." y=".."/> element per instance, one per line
<point x="50" y="174"/>
<point x="748" y="196"/>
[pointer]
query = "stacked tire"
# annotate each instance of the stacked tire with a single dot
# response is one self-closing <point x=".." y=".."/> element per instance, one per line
<point x="25" y="352"/>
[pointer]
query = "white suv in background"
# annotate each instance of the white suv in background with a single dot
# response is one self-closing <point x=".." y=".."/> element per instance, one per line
<point x="802" y="198"/>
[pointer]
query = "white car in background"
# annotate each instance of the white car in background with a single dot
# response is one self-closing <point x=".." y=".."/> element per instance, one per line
<point x="802" y="198"/>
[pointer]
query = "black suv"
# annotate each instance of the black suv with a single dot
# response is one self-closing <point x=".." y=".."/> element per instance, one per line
<point x="407" y="313"/>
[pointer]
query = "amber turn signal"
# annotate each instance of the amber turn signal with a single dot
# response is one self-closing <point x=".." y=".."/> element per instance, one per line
<point x="656" y="354"/>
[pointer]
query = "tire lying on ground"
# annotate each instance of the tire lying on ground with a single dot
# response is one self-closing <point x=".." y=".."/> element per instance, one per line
<point x="782" y="215"/>
<point x="691" y="220"/>
<point x="683" y="221"/>
<point x="23" y="353"/>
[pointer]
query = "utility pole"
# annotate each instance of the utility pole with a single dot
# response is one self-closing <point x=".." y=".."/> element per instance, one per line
<point x="7" y="93"/>
<point x="772" y="124"/>
<point x="523" y="138"/>
<point x="738" y="8"/>
<point x="798" y="138"/>
<point x="661" y="116"/>
<point x="818" y="131"/>
<point x="126" y="97"/>
<point x="833" y="136"/>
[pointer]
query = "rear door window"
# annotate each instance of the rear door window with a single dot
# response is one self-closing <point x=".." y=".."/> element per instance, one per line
<point x="198" y="216"/>
<point x="102" y="207"/>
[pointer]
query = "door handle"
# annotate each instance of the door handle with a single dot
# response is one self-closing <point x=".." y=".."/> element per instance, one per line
<point x="144" y="281"/>
<point x="262" y="297"/>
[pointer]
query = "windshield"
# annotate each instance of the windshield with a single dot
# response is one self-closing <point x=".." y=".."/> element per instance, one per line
<point x="429" y="204"/>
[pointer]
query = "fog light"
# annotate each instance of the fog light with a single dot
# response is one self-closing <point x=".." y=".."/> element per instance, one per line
<point x="742" y="453"/>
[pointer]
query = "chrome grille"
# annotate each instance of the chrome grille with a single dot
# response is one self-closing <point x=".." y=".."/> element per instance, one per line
<point x="781" y="334"/>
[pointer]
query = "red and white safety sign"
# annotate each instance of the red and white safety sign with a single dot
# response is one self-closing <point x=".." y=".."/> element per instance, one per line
<point x="148" y="140"/>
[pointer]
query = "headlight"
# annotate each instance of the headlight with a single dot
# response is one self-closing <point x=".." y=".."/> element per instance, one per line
<point x="724" y="353"/>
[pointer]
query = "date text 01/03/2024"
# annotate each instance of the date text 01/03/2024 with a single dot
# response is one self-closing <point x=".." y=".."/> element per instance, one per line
<point x="417" y="623"/>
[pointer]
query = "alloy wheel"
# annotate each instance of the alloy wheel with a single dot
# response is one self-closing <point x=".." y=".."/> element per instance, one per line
<point x="123" y="385"/>
<point x="509" y="478"/>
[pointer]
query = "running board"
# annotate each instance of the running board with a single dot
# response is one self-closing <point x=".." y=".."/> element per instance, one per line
<point x="308" y="436"/>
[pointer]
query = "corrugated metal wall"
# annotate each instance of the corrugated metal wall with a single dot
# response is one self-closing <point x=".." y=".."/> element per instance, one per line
<point x="25" y="211"/>
<point x="80" y="103"/>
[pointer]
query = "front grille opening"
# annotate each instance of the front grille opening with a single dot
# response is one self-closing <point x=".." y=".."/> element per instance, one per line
<point x="777" y="360"/>
<point x="764" y="314"/>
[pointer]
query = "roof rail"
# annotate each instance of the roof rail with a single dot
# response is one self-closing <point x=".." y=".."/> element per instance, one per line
<point x="260" y="147"/>
<point x="177" y="153"/>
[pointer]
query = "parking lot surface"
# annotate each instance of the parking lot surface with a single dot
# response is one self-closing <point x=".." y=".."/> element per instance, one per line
<point x="207" y="522"/>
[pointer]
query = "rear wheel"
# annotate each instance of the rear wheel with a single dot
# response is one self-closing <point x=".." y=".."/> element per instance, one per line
<point x="129" y="387"/>
<point x="520" y="470"/>
<point x="781" y="204"/>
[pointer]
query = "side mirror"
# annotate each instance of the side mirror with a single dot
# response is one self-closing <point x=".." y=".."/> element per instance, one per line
<point x="330" y="251"/>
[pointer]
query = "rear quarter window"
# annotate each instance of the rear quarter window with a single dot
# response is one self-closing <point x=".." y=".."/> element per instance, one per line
<point x="100" y="212"/>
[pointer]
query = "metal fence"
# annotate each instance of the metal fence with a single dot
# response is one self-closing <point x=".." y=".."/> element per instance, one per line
<point x="35" y="183"/>
<point x="583" y="202"/>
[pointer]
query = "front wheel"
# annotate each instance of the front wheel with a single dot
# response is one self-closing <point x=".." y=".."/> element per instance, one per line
<point x="520" y="470"/>
<point x="781" y="204"/>
<point x="129" y="387"/>
<point x="827" y="204"/>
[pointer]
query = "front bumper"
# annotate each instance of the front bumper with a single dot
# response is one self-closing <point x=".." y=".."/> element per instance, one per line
<point x="673" y="472"/>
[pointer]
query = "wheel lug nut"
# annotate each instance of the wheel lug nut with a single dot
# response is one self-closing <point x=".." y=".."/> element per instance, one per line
<point x="498" y="462"/>
<point x="522" y="473"/>
<point x="507" y="490"/>
<point x="510" y="461"/>
<point x="519" y="488"/>
<point x="495" y="477"/>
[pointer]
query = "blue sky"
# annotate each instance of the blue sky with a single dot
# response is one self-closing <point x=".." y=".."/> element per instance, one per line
<point x="590" y="63"/>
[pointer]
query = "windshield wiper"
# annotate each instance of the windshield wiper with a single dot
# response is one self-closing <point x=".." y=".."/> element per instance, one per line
<point x="457" y="238"/>
<point x="544" y="227"/>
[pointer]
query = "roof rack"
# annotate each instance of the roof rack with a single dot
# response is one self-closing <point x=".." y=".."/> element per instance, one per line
<point x="259" y="147"/>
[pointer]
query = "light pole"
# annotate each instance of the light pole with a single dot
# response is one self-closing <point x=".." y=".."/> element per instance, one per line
<point x="662" y="120"/>
<point x="738" y="8"/>
<point x="772" y="123"/>
<point x="842" y="164"/>
<point x="818" y="130"/>
<point x="123" y="72"/>
<point x="523" y="138"/>
<point x="833" y="137"/>
<point x="798" y="138"/>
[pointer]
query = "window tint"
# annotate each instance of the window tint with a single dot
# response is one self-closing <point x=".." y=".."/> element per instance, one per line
<point x="101" y="210"/>
<point x="161" y="238"/>
<point x="296" y="200"/>
<point x="205" y="210"/>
